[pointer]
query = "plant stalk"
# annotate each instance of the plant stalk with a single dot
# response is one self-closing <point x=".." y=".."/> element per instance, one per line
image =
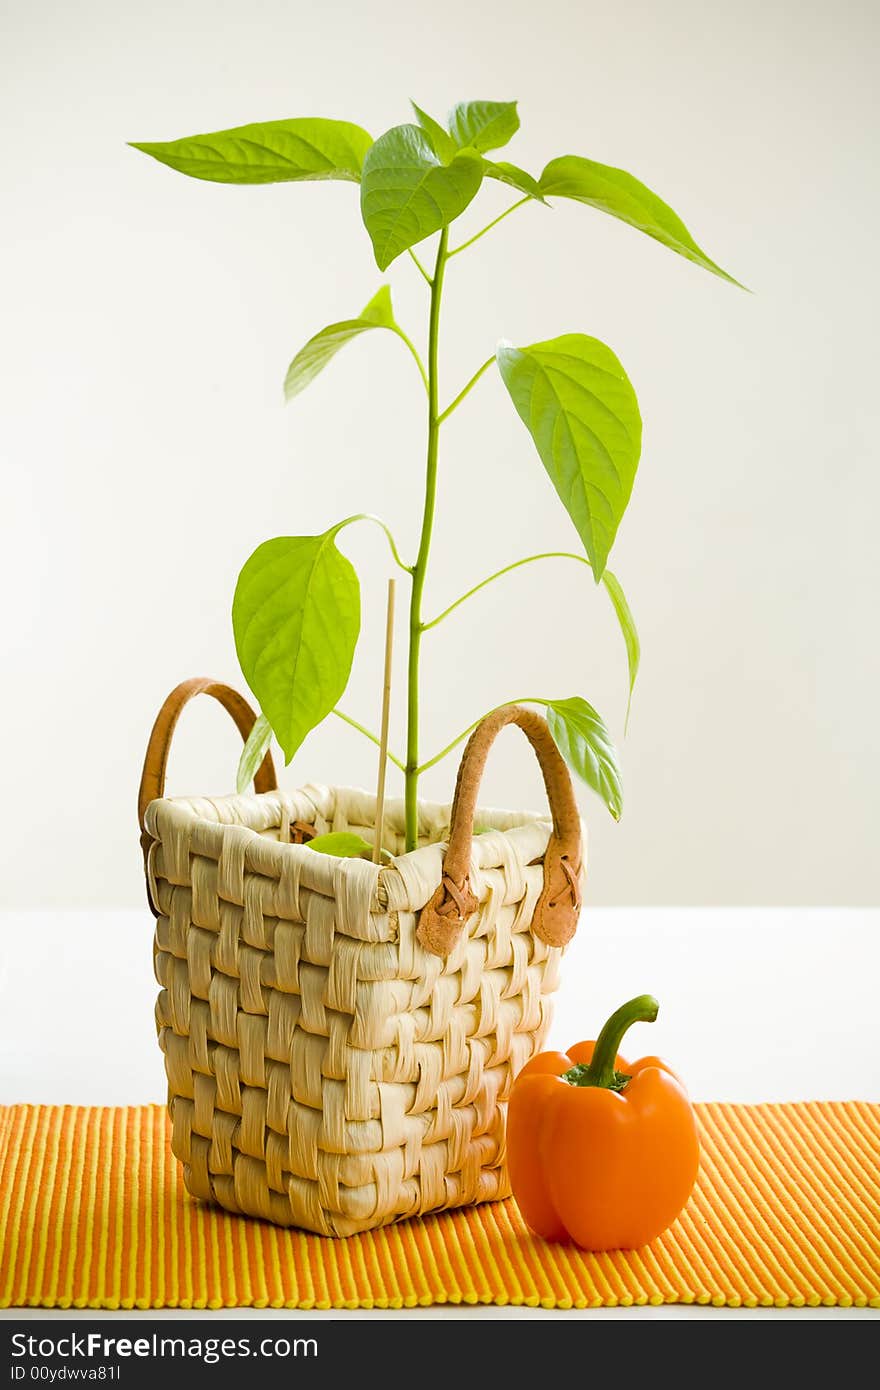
<point x="467" y="389"/>
<point x="529" y="559"/>
<point x="494" y="223"/>
<point x="367" y="733"/>
<point x="421" y="564"/>
<point x="521" y="700"/>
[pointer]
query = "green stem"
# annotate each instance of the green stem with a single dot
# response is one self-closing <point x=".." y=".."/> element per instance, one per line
<point x="494" y="223"/>
<point x="417" y="263"/>
<point x="404" y="338"/>
<point x="600" y="1071"/>
<point x="377" y="521"/>
<point x="523" y="700"/>
<point x="421" y="565"/>
<point x="347" y="719"/>
<point x="529" y="559"/>
<point x="470" y="386"/>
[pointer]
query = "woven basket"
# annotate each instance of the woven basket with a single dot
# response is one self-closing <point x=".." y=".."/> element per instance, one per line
<point x="340" y="1036"/>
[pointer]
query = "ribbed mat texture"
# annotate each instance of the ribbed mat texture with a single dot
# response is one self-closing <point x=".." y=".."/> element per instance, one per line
<point x="93" y="1214"/>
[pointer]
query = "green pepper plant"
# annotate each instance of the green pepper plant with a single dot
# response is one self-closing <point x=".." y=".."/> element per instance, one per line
<point x="296" y="609"/>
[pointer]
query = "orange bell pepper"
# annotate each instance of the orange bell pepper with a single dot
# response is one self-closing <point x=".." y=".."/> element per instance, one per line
<point x="600" y="1151"/>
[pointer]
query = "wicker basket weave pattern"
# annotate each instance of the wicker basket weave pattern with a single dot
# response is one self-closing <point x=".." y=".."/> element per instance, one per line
<point x="324" y="1068"/>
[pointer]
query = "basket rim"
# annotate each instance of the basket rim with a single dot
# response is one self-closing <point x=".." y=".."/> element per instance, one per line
<point x="526" y="832"/>
<point x="489" y="819"/>
<point x="524" y="835"/>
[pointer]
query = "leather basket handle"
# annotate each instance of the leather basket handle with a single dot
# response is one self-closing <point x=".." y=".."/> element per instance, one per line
<point x="156" y="761"/>
<point x="556" y="911"/>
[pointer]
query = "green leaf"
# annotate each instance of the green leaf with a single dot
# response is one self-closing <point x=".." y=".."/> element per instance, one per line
<point x="342" y="844"/>
<point x="407" y="194"/>
<point x="440" y="140"/>
<point x="577" y="403"/>
<point x="345" y="844"/>
<point x="616" y="192"/>
<point x="585" y="744"/>
<point x="253" y="753"/>
<point x="296" y="616"/>
<point x="269" y="152"/>
<point x="629" y="630"/>
<point x="514" y="176"/>
<point x="318" y="351"/>
<point x="483" y="125"/>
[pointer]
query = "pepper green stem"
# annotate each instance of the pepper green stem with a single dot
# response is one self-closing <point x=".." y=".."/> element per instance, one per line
<point x="600" y="1071"/>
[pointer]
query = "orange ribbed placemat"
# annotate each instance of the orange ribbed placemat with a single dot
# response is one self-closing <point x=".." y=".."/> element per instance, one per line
<point x="93" y="1214"/>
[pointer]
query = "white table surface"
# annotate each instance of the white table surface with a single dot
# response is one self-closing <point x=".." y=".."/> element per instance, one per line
<point x="756" y="1004"/>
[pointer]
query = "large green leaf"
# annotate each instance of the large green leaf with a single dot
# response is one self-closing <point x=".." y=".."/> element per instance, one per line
<point x="616" y="192"/>
<point x="318" y="351"/>
<point x="628" y="628"/>
<point x="579" y="407"/>
<point x="296" y="616"/>
<point x="254" y="751"/>
<point x="407" y="193"/>
<point x="514" y="176"/>
<point x="440" y="140"/>
<point x="483" y="125"/>
<point x="585" y="744"/>
<point x="306" y="147"/>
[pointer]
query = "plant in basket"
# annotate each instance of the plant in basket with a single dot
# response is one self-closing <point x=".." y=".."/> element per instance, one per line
<point x="339" y="1035"/>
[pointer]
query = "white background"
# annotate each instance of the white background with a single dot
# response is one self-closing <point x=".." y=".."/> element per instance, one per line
<point x="148" y="320"/>
<point x="147" y="324"/>
<point x="755" y="1004"/>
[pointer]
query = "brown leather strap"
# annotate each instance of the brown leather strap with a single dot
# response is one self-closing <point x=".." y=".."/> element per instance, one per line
<point x="156" y="760"/>
<point x="556" y="911"/>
